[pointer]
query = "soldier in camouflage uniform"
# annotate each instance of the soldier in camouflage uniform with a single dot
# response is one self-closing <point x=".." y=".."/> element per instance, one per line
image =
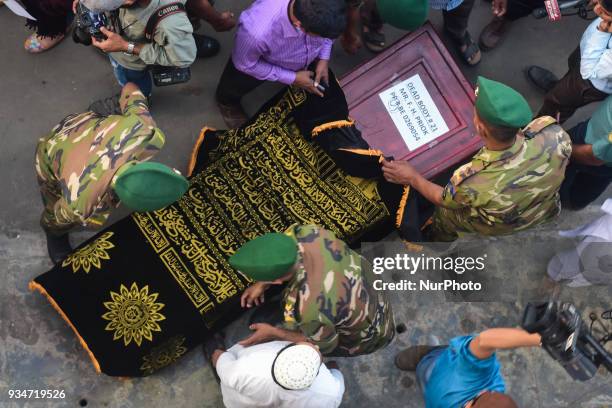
<point x="329" y="299"/>
<point x="511" y="184"/>
<point x="78" y="161"/>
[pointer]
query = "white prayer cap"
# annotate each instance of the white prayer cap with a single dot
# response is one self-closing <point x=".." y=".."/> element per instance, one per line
<point x="296" y="366"/>
<point x="99" y="6"/>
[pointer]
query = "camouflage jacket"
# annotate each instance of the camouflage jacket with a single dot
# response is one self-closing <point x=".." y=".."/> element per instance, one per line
<point x="331" y="299"/>
<point x="77" y="161"/>
<point x="499" y="192"/>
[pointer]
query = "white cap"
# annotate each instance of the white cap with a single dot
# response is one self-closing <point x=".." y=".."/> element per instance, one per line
<point x="296" y="367"/>
<point x="100" y="6"/>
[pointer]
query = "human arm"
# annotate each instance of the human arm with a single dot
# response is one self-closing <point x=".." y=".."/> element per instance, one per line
<point x="220" y="21"/>
<point x="595" y="56"/>
<point x="326" y="48"/>
<point x="263" y="332"/>
<point x="484" y="345"/>
<point x="402" y="172"/>
<point x="583" y="154"/>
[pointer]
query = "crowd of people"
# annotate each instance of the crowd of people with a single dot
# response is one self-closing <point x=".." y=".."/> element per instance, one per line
<point x="527" y="170"/>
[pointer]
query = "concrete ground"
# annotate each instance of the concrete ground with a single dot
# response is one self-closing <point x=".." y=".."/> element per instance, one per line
<point x="38" y="351"/>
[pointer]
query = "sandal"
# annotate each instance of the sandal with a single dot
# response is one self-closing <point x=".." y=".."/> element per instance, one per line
<point x="471" y="53"/>
<point x="35" y="44"/>
<point x="374" y="41"/>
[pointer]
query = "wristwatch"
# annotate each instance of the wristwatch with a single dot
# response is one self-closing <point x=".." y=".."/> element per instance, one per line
<point x="130" y="49"/>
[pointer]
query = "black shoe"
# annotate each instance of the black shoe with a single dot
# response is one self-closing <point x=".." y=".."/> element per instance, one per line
<point x="107" y="106"/>
<point x="58" y="247"/>
<point x="542" y="78"/>
<point x="207" y="46"/>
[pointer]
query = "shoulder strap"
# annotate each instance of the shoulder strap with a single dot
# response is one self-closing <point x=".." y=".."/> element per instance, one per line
<point x="160" y="14"/>
<point x="537" y="125"/>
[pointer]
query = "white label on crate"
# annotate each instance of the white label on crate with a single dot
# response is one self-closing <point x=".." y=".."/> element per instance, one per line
<point x="414" y="113"/>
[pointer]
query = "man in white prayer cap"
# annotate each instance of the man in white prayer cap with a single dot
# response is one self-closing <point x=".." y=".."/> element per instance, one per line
<point x="277" y="374"/>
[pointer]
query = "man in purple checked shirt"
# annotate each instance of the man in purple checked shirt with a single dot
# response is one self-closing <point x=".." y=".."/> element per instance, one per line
<point x="279" y="40"/>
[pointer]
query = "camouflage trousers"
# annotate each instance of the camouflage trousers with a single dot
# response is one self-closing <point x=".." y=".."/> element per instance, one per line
<point x="49" y="191"/>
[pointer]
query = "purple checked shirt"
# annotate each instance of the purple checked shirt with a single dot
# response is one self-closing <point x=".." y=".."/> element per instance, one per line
<point x="268" y="47"/>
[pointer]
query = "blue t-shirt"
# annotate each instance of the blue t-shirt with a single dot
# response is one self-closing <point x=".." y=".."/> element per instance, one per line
<point x="458" y="377"/>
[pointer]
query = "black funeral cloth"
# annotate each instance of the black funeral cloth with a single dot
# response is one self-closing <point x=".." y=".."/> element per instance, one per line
<point x="144" y="291"/>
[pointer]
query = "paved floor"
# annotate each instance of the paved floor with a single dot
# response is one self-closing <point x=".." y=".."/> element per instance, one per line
<point x="37" y="350"/>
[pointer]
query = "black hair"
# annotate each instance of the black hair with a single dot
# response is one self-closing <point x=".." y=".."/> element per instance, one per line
<point x="607" y="5"/>
<point x="326" y="18"/>
<point x="502" y="134"/>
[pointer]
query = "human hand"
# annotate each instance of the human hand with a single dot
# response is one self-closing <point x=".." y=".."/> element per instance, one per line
<point x="253" y="294"/>
<point x="305" y="80"/>
<point x="75" y="3"/>
<point x="262" y="332"/>
<point x="225" y="22"/>
<point x="322" y="73"/>
<point x="399" y="172"/>
<point x="499" y="7"/>
<point x="113" y="43"/>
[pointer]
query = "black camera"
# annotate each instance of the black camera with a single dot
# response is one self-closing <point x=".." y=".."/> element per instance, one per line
<point x="88" y="25"/>
<point x="566" y="338"/>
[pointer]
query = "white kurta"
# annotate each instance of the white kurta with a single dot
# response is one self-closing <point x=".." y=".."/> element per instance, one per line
<point x="246" y="381"/>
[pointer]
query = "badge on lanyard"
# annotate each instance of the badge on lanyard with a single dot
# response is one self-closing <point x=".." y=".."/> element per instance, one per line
<point x="552" y="9"/>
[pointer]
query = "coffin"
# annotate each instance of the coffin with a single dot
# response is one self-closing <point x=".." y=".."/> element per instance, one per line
<point x="413" y="103"/>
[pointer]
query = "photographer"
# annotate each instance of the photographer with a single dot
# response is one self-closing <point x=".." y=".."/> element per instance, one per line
<point x="171" y="42"/>
<point x="465" y="373"/>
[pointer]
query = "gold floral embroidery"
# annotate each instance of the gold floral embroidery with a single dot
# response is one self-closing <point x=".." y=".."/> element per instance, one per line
<point x="163" y="355"/>
<point x="90" y="255"/>
<point x="133" y="314"/>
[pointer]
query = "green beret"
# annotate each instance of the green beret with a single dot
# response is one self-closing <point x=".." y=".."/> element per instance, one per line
<point x="148" y="186"/>
<point x="501" y="105"/>
<point x="403" y="14"/>
<point x="267" y="257"/>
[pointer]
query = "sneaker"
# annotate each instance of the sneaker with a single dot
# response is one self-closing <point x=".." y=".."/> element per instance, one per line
<point x="542" y="78"/>
<point x="207" y="46"/>
<point x="408" y="359"/>
<point x="58" y="247"/>
<point x="107" y="106"/>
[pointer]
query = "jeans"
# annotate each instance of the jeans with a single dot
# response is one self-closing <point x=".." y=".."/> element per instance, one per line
<point x="140" y="78"/>
<point x="426" y="366"/>
<point x="583" y="184"/>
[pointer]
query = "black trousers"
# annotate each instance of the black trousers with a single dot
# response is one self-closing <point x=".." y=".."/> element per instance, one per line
<point x="583" y="184"/>
<point x="456" y="20"/>
<point x="521" y="8"/>
<point x="571" y="92"/>
<point x="234" y="84"/>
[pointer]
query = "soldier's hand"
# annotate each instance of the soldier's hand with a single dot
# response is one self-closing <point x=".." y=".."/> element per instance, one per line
<point x="253" y="294"/>
<point x="398" y="171"/>
<point x="262" y="332"/>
